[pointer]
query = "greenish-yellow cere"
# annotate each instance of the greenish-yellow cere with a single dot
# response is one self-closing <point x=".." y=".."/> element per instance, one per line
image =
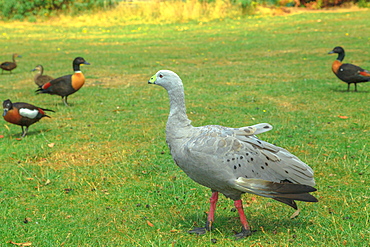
<point x="153" y="79"/>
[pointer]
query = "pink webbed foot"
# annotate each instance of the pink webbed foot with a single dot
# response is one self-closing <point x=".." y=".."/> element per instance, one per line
<point x="211" y="216"/>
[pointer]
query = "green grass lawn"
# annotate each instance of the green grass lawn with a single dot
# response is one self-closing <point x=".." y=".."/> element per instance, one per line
<point x="99" y="173"/>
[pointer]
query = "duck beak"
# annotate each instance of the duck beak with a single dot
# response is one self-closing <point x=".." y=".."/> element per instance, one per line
<point x="5" y="112"/>
<point x="331" y="52"/>
<point x="86" y="63"/>
<point x="152" y="79"/>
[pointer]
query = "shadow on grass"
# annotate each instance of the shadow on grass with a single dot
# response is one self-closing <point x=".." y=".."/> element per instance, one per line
<point x="228" y="226"/>
<point x="56" y="104"/>
<point x="345" y="90"/>
<point x="18" y="135"/>
<point x="8" y="73"/>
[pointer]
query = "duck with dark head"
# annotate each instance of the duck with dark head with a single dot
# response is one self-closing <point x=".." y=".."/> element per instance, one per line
<point x="23" y="114"/>
<point x="348" y="73"/>
<point x="66" y="85"/>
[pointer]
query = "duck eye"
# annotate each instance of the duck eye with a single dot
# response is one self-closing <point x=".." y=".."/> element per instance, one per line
<point x="160" y="75"/>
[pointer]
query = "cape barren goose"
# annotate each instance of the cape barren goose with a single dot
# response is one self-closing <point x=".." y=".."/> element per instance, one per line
<point x="231" y="161"/>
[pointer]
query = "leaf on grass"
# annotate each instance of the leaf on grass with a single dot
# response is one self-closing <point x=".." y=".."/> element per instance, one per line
<point x="343" y="117"/>
<point x="27" y="220"/>
<point x="295" y="214"/>
<point x="149" y="223"/>
<point x="1" y="136"/>
<point x="21" y="244"/>
<point x="50" y="145"/>
<point x="67" y="190"/>
<point x="47" y="181"/>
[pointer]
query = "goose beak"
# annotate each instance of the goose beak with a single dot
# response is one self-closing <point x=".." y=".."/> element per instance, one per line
<point x="152" y="79"/>
<point x="5" y="112"/>
<point x="86" y="63"/>
<point x="331" y="52"/>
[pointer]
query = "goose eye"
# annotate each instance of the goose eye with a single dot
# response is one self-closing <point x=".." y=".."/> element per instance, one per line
<point x="160" y="75"/>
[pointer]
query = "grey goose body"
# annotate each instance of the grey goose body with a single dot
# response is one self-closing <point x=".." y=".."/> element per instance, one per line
<point x="232" y="161"/>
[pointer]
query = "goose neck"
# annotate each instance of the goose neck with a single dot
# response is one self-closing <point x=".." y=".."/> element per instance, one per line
<point x="177" y="116"/>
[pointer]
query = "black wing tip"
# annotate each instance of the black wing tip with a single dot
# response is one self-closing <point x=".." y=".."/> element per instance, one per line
<point x="47" y="110"/>
<point x="310" y="188"/>
<point x="291" y="202"/>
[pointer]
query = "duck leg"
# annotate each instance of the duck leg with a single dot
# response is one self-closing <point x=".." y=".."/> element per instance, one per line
<point x="355" y="87"/>
<point x="64" y="98"/>
<point x="211" y="216"/>
<point x="24" y="132"/>
<point x="246" y="230"/>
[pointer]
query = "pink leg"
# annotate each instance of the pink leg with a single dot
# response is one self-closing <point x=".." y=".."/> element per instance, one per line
<point x="246" y="230"/>
<point x="211" y="214"/>
<point x="210" y="218"/>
